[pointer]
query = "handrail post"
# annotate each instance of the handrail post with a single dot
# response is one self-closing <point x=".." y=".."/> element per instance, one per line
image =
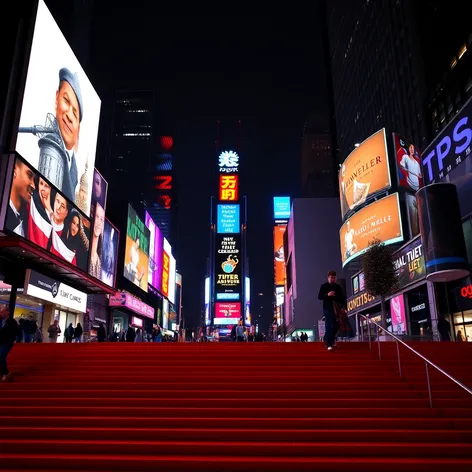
<point x="370" y="340"/>
<point x="398" y="357"/>
<point x="378" y="343"/>
<point x="429" y="386"/>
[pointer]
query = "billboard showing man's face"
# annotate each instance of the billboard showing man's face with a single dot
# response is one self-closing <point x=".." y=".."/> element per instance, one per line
<point x="60" y="114"/>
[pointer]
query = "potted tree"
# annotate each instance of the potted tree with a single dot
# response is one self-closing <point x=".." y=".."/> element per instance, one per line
<point x="379" y="273"/>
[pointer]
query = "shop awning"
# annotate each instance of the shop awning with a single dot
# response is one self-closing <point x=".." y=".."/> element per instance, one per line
<point x="30" y="256"/>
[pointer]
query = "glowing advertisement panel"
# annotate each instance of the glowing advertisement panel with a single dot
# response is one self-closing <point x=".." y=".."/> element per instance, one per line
<point x="60" y="114"/>
<point x="247" y="301"/>
<point x="172" y="268"/>
<point x="228" y="264"/>
<point x="41" y="214"/>
<point x="207" y="301"/>
<point x="127" y="300"/>
<point x="397" y="312"/>
<point x="281" y="208"/>
<point x="279" y="257"/>
<point x="109" y="253"/>
<point x="364" y="172"/>
<point x="156" y="241"/>
<point x="136" y="251"/>
<point x="229" y="190"/>
<point x="227" y="219"/>
<point x="227" y="313"/>
<point x="408" y="159"/>
<point x="381" y="219"/>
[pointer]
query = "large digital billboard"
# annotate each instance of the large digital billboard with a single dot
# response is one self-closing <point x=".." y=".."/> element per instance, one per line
<point x="364" y="172"/>
<point x="229" y="190"/>
<point x="408" y="159"/>
<point x="228" y="264"/>
<point x="111" y="237"/>
<point x="227" y="313"/>
<point x="281" y="208"/>
<point x="172" y="269"/>
<point x="449" y="157"/>
<point x="381" y="219"/>
<point x="409" y="263"/>
<point x="166" y="254"/>
<point x="156" y="241"/>
<point x="227" y="218"/>
<point x="41" y="214"/>
<point x="60" y="114"/>
<point x="279" y="257"/>
<point x="136" y="251"/>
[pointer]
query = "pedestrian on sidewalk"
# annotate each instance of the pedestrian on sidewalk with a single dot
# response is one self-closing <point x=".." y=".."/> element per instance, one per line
<point x="9" y="331"/>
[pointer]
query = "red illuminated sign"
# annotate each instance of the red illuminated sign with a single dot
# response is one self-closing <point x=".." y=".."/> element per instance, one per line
<point x="466" y="292"/>
<point x="229" y="188"/>
<point x="164" y="182"/>
<point x="165" y="273"/>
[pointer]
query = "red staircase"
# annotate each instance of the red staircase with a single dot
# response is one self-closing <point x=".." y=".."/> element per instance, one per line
<point x="232" y="407"/>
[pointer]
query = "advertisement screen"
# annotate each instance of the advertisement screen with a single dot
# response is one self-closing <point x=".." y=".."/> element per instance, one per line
<point x="381" y="219"/>
<point x="397" y="312"/>
<point x="228" y="265"/>
<point x="172" y="268"/>
<point x="109" y="253"/>
<point x="227" y="219"/>
<point x="247" y="301"/>
<point x="229" y="188"/>
<point x="409" y="263"/>
<point x="364" y="172"/>
<point x="207" y="301"/>
<point x="136" y="251"/>
<point x="408" y="159"/>
<point x="281" y="208"/>
<point x="412" y="212"/>
<point x="227" y="313"/>
<point x="279" y="258"/>
<point x="156" y="241"/>
<point x="60" y="114"/>
<point x="41" y="214"/>
<point x="97" y="217"/>
<point x="165" y="273"/>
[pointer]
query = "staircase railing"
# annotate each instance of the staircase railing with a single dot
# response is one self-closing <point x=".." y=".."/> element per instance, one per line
<point x="398" y="341"/>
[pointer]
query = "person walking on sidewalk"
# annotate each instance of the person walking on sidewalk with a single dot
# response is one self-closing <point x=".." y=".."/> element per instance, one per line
<point x="9" y="331"/>
<point x="330" y="293"/>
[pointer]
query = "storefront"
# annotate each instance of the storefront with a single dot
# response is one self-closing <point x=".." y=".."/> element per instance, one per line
<point x="127" y="310"/>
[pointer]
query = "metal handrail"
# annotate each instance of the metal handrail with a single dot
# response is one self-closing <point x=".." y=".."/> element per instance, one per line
<point x="427" y="361"/>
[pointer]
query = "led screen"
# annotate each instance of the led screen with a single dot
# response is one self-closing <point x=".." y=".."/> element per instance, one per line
<point x="136" y="251"/>
<point x="172" y="268"/>
<point x="364" y="172"/>
<point x="60" y="114"/>
<point x="381" y="219"/>
<point x="227" y="219"/>
<point x="408" y="159"/>
<point x="281" y="208"/>
<point x="156" y="242"/>
<point x="111" y="237"/>
<point x="38" y="212"/>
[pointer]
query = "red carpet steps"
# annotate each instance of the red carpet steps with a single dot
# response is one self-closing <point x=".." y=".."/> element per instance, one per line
<point x="232" y="407"/>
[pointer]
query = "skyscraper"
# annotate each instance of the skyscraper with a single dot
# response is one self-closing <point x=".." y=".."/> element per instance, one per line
<point x="377" y="71"/>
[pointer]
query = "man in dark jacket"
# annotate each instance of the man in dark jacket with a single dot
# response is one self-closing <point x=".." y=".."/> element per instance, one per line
<point x="9" y="331"/>
<point x="330" y="292"/>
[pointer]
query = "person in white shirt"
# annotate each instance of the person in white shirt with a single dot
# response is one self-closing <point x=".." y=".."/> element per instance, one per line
<point x="349" y="244"/>
<point x="412" y="167"/>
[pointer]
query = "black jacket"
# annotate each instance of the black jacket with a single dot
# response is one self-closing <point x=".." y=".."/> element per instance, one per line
<point x="9" y="331"/>
<point x="328" y="301"/>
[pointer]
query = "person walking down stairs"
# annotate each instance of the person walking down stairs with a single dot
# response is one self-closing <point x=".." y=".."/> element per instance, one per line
<point x="9" y="331"/>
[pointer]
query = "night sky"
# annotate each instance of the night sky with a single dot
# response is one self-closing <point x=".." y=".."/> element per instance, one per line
<point x="266" y="71"/>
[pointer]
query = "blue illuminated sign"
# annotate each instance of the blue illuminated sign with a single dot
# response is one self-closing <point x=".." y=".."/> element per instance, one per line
<point x="227" y="219"/>
<point x="282" y="207"/>
<point x="227" y="296"/>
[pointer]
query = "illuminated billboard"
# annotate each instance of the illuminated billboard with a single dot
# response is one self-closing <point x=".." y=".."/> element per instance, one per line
<point x="166" y="254"/>
<point x="227" y="313"/>
<point x="279" y="257"/>
<point x="364" y="172"/>
<point x="281" y="208"/>
<point x="207" y="301"/>
<point x="381" y="219"/>
<point x="136" y="251"/>
<point x="109" y="256"/>
<point x="228" y="265"/>
<point x="156" y="242"/>
<point x="228" y="162"/>
<point x="408" y="159"/>
<point x="172" y="269"/>
<point x="60" y="114"/>
<point x="42" y="215"/>
<point x="227" y="218"/>
<point x="229" y="188"/>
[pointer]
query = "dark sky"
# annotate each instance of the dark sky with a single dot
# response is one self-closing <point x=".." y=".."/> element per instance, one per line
<point x="266" y="71"/>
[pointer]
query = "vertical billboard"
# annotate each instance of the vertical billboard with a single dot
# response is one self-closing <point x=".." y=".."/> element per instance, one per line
<point x="281" y="208"/>
<point x="247" y="301"/>
<point x="228" y="267"/>
<point x="166" y="254"/>
<point x="364" y="172"/>
<point x="156" y="242"/>
<point x="227" y="218"/>
<point x="449" y="157"/>
<point x="172" y="274"/>
<point x="41" y="214"/>
<point x="381" y="219"/>
<point x="60" y="114"/>
<point x="227" y="313"/>
<point x="397" y="313"/>
<point x="207" y="301"/>
<point x="111" y="237"/>
<point x="408" y="159"/>
<point x="279" y="256"/>
<point x="136" y="251"/>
